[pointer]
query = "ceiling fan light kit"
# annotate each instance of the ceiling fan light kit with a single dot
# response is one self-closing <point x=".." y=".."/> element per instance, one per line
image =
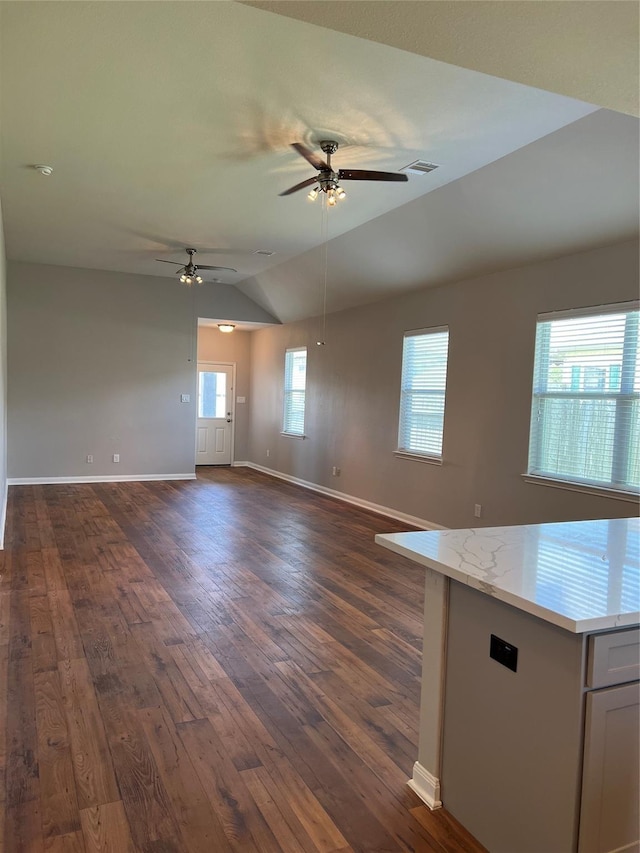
<point x="189" y="272"/>
<point x="329" y="181"/>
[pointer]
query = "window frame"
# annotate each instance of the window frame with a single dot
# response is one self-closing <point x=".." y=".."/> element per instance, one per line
<point x="409" y="452"/>
<point x="288" y="392"/>
<point x="626" y="395"/>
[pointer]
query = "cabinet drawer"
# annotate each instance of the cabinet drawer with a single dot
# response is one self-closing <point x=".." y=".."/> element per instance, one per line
<point x="614" y="658"/>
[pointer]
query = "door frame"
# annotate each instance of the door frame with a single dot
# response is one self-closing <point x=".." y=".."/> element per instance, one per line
<point x="232" y="365"/>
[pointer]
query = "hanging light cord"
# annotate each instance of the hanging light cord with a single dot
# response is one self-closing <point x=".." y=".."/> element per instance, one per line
<point x="192" y="324"/>
<point x="324" y="233"/>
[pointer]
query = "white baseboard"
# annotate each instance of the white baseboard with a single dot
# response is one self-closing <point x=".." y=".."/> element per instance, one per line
<point x="421" y="523"/>
<point x="3" y="515"/>
<point x="107" y="478"/>
<point x="426" y="786"/>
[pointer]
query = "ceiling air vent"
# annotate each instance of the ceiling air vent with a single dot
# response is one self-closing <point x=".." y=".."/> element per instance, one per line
<point x="420" y="167"/>
<point x="264" y="252"/>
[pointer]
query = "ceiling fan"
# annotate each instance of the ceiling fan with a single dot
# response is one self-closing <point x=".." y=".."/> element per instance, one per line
<point x="189" y="272"/>
<point x="328" y="181"/>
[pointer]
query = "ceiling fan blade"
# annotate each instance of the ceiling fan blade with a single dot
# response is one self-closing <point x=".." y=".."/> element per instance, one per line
<point x="366" y="175"/>
<point x="207" y="267"/>
<point x="181" y="270"/>
<point x="162" y="261"/>
<point x="309" y="156"/>
<point x="300" y="186"/>
<point x="227" y="251"/>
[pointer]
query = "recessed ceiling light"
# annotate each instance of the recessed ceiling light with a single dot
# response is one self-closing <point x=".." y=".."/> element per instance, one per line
<point x="44" y="170"/>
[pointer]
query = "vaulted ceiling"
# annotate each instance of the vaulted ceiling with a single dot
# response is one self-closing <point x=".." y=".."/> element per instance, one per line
<point x="169" y="124"/>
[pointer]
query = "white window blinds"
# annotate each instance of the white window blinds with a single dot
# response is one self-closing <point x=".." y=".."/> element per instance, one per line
<point x="586" y="393"/>
<point x="295" y="379"/>
<point x="422" y="397"/>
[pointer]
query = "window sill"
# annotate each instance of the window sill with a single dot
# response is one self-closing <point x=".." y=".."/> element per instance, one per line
<point x="417" y="457"/>
<point x="585" y="488"/>
<point x="293" y="435"/>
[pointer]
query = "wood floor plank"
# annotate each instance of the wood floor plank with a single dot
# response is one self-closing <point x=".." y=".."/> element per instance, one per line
<point x="73" y="842"/>
<point x="4" y="668"/>
<point x="65" y="626"/>
<point x="52" y="567"/>
<point x="446" y="830"/>
<point x="59" y="802"/>
<point x="198" y="824"/>
<point x="389" y="763"/>
<point x="22" y="773"/>
<point x="22" y="831"/>
<point x="105" y="829"/>
<point x="43" y="643"/>
<point x="359" y="825"/>
<point x="294" y="797"/>
<point x="148" y="806"/>
<point x="225" y="665"/>
<point x="93" y="770"/>
<point x="243" y="824"/>
<point x="389" y="811"/>
<point x="286" y="827"/>
<point x="176" y="694"/>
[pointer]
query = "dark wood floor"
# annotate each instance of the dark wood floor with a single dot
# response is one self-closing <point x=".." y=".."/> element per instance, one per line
<point x="227" y="664"/>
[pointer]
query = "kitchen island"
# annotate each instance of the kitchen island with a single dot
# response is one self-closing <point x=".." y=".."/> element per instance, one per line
<point x="530" y="694"/>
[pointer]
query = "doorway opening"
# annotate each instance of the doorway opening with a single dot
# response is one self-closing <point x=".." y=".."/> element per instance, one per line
<point x="215" y="414"/>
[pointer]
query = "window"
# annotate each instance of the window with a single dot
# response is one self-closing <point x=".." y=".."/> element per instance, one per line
<point x="424" y="380"/>
<point x="586" y="397"/>
<point x="295" y="377"/>
<point x="212" y="394"/>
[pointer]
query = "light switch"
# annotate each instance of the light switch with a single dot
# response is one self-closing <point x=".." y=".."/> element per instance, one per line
<point x="185" y="398"/>
<point x="241" y="399"/>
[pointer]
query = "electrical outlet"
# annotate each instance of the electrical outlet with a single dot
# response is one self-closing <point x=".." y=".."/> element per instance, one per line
<point x="116" y="457"/>
<point x="477" y="510"/>
<point x="89" y="457"/>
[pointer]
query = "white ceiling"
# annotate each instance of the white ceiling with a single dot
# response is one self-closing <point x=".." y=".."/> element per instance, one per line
<point x="168" y="124"/>
<point x="587" y="50"/>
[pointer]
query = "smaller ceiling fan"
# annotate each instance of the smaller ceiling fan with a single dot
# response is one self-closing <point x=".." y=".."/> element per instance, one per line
<point x="189" y="272"/>
<point x="328" y="180"/>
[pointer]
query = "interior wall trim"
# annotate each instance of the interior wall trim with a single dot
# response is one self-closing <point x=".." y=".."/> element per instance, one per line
<point x="107" y="478"/>
<point x="421" y="523"/>
<point x="3" y="514"/>
<point x="426" y="786"/>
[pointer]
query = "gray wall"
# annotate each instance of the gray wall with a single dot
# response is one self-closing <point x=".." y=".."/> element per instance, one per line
<point x="354" y="387"/>
<point x="97" y="363"/>
<point x="3" y="384"/>
<point x="233" y="348"/>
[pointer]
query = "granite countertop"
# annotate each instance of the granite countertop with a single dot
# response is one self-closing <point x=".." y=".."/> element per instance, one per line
<point x="580" y="575"/>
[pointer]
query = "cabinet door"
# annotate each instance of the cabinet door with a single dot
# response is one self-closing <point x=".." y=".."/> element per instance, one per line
<point x="609" y="816"/>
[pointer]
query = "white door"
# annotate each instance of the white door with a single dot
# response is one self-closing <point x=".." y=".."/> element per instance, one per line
<point x="214" y="424"/>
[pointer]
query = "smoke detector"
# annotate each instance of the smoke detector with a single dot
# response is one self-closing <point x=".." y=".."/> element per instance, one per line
<point x="44" y="170"/>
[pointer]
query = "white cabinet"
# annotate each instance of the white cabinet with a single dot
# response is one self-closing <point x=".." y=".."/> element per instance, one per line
<point x="609" y="813"/>
<point x="542" y="756"/>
